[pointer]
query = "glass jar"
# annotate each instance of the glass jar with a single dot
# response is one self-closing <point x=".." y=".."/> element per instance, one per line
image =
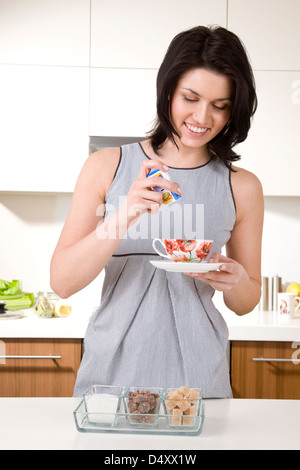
<point x="45" y="302"/>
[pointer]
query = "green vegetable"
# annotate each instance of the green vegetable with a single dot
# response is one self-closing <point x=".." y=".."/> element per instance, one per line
<point x="13" y="296"/>
<point x="26" y="301"/>
<point x="5" y="297"/>
<point x="10" y="288"/>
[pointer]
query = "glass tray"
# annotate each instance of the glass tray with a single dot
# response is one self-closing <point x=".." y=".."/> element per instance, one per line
<point x="83" y="424"/>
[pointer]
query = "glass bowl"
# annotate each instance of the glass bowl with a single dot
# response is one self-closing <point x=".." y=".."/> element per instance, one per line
<point x="182" y="407"/>
<point x="142" y="406"/>
<point x="103" y="403"/>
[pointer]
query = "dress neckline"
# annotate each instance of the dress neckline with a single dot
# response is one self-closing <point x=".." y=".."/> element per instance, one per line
<point x="176" y="167"/>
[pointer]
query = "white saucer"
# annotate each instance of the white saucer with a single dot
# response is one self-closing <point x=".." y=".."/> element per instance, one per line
<point x="182" y="267"/>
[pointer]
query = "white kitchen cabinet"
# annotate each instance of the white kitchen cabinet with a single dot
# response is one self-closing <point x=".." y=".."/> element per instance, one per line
<point x="45" y="32"/>
<point x="122" y="101"/>
<point x="272" y="149"/>
<point x="270" y="31"/>
<point x="44" y="127"/>
<point x="136" y="33"/>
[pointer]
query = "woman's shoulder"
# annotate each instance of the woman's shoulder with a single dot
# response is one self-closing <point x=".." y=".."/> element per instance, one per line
<point x="242" y="179"/>
<point x="100" y="167"/>
<point x="247" y="190"/>
<point x="104" y="159"/>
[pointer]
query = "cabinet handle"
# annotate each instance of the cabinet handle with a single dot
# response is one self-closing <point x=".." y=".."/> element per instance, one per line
<point x="275" y="359"/>
<point x="30" y="357"/>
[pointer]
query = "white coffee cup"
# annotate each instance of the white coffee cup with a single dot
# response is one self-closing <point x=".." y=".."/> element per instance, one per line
<point x="191" y="251"/>
<point x="286" y="306"/>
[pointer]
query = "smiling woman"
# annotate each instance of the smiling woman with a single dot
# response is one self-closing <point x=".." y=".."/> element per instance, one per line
<point x="220" y="52"/>
<point x="195" y="114"/>
<point x="156" y="328"/>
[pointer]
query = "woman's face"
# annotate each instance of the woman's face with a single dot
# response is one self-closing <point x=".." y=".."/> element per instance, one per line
<point x="201" y="106"/>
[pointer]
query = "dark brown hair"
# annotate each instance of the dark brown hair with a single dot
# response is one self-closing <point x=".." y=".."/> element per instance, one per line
<point x="220" y="51"/>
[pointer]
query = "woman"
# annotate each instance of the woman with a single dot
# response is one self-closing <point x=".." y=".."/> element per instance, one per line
<point x="155" y="328"/>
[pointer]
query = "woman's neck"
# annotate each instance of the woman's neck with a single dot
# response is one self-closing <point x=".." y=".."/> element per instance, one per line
<point x="178" y="157"/>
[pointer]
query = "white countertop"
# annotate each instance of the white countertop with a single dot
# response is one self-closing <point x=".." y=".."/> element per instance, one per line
<point x="262" y="326"/>
<point x="33" y="326"/>
<point x="255" y="326"/>
<point x="48" y="423"/>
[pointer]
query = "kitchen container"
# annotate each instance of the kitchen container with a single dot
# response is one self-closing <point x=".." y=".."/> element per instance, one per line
<point x="97" y="414"/>
<point x="49" y="304"/>
<point x="182" y="407"/>
<point x="142" y="405"/>
<point x="45" y="302"/>
<point x="276" y="287"/>
<point x="264" y="299"/>
<point x="102" y="403"/>
<point x="270" y="293"/>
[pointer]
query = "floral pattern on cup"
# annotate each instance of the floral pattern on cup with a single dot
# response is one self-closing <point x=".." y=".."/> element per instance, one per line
<point x="287" y="306"/>
<point x="190" y="251"/>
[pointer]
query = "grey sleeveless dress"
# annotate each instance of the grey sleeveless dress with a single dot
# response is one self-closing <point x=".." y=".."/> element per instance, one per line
<point x="156" y="328"/>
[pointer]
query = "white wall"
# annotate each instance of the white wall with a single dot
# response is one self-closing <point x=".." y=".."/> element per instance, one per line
<point x="281" y="238"/>
<point x="29" y="229"/>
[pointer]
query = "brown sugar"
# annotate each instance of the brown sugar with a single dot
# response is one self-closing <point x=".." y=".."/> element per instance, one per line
<point x="181" y="404"/>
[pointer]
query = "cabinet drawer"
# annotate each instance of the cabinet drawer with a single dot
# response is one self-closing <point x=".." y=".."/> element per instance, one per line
<point x="39" y="367"/>
<point x="263" y="369"/>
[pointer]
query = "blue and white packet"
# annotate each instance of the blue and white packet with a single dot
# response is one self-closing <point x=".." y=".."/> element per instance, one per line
<point x="168" y="196"/>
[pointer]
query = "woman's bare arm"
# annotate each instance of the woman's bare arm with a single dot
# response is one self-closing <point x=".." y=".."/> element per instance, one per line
<point x="240" y="274"/>
<point x="87" y="242"/>
<point x="244" y="246"/>
<point x="79" y="256"/>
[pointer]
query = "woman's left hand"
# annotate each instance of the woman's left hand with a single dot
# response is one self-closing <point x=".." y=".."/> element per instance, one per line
<point x="230" y="273"/>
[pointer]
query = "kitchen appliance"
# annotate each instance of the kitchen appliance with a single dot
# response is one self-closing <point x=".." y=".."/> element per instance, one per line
<point x="103" y="142"/>
<point x="271" y="286"/>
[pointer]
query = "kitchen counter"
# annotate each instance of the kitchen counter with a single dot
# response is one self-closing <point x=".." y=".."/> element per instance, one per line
<point x="262" y="326"/>
<point x="48" y="423"/>
<point x="255" y="326"/>
<point x="33" y="326"/>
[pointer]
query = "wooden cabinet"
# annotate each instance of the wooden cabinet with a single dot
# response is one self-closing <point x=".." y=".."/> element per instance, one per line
<point x="265" y="369"/>
<point x="33" y="373"/>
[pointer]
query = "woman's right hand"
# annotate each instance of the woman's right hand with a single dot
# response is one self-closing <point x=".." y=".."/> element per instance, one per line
<point x="141" y="197"/>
